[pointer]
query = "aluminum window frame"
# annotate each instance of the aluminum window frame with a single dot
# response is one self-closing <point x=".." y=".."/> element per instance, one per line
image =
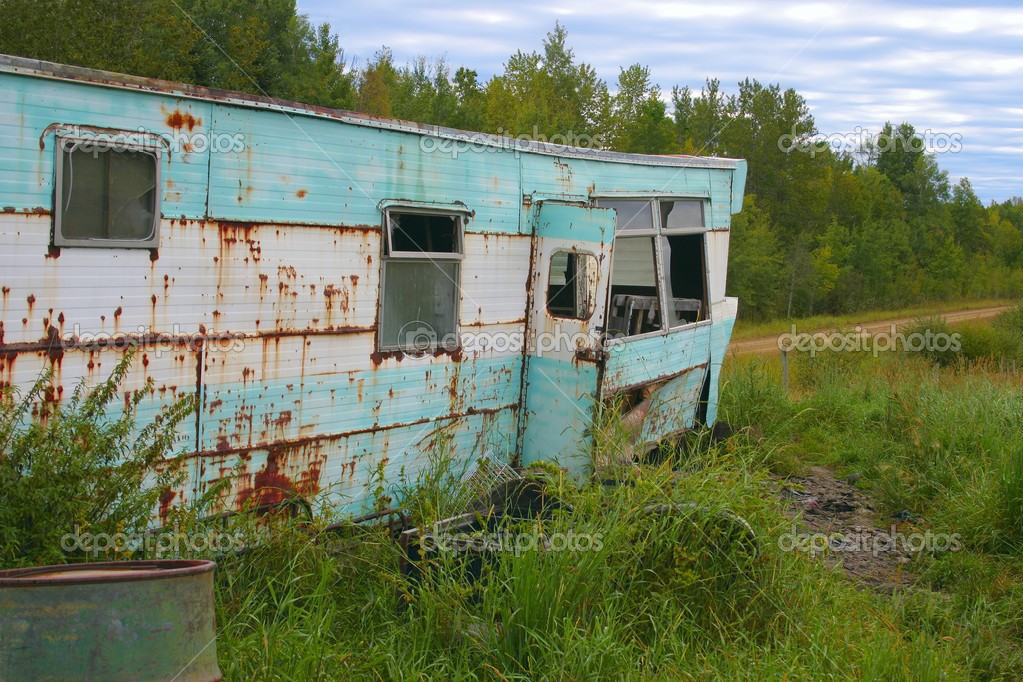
<point x="460" y="214"/>
<point x="62" y="151"/>
<point x="550" y="261"/>
<point x="657" y="233"/>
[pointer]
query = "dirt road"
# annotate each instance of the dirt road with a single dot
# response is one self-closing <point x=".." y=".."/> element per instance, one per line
<point x="763" y="345"/>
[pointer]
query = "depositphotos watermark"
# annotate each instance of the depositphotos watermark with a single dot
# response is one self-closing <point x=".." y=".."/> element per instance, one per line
<point x="172" y="542"/>
<point x="479" y="143"/>
<point x="861" y="139"/>
<point x="154" y="343"/>
<point x="180" y="140"/>
<point x="514" y="543"/>
<point x="860" y="340"/>
<point x="419" y="337"/>
<point x="869" y="540"/>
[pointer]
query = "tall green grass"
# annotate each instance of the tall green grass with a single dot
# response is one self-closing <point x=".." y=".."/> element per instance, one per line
<point x="685" y="594"/>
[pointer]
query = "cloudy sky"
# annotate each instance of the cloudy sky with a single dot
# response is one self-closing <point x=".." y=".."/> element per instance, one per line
<point x="953" y="70"/>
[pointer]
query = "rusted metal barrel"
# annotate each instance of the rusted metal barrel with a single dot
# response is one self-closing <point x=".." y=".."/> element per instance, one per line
<point x="110" y="621"/>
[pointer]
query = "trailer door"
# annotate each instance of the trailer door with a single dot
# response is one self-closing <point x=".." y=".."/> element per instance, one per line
<point x="568" y="297"/>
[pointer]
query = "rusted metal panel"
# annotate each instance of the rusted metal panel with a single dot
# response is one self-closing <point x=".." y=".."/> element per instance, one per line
<point x="634" y="362"/>
<point x="355" y="472"/>
<point x="673" y="406"/>
<point x="294" y="387"/>
<point x="286" y="279"/>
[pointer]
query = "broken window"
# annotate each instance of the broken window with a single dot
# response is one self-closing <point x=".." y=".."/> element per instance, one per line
<point x="666" y="270"/>
<point x="685" y="214"/>
<point x="685" y="277"/>
<point x="419" y="280"/>
<point x="107" y="193"/>
<point x="572" y="285"/>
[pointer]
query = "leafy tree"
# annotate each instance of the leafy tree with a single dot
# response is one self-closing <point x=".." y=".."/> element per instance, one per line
<point x="967" y="216"/>
<point x="377" y="85"/>
<point x="755" y="263"/>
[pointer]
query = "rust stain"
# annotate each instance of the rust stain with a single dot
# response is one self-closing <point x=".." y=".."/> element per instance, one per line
<point x="177" y="120"/>
<point x="301" y="194"/>
<point x="166" y="498"/>
<point x="270" y="486"/>
<point x="52" y="251"/>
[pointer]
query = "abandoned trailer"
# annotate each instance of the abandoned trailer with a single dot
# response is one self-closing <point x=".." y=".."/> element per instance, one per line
<point x="345" y="294"/>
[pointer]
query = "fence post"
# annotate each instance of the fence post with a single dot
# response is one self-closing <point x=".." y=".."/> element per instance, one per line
<point x="785" y="370"/>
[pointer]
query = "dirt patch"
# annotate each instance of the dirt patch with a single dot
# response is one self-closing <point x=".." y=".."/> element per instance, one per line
<point x="838" y="522"/>
<point x="765" y="345"/>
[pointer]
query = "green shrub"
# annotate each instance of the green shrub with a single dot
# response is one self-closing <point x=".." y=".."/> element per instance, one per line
<point x="944" y="353"/>
<point x="79" y="465"/>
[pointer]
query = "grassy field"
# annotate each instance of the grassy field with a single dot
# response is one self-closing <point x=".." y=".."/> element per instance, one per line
<point x="681" y="567"/>
<point x="688" y="595"/>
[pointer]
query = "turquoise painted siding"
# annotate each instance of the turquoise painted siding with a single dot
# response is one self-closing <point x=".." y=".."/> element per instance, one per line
<point x="347" y="170"/>
<point x="559" y="409"/>
<point x="584" y="178"/>
<point x="29" y="106"/>
<point x="721" y="334"/>
<point x="641" y="361"/>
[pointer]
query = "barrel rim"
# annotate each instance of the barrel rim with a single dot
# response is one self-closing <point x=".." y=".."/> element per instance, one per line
<point x="158" y="569"/>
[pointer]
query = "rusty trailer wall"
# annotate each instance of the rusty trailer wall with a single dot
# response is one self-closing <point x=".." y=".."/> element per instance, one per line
<point x="262" y="285"/>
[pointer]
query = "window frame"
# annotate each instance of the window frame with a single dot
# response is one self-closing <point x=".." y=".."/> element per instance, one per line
<point x="657" y="234"/>
<point x="550" y="261"/>
<point x="457" y="253"/>
<point x="62" y="151"/>
<point x="460" y="214"/>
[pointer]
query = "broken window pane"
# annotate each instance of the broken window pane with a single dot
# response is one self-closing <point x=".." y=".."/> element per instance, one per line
<point x="108" y="195"/>
<point x="572" y="285"/>
<point x="681" y="214"/>
<point x="632" y="215"/>
<point x="685" y="278"/>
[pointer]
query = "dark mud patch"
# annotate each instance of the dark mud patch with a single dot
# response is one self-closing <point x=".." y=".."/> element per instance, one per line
<point x="838" y="522"/>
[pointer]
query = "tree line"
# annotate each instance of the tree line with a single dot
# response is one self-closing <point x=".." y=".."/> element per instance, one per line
<point x="823" y="230"/>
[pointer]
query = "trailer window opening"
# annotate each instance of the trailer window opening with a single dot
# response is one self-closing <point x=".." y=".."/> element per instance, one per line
<point x="107" y="194"/>
<point x="664" y="271"/>
<point x="634" y="307"/>
<point x="684" y="214"/>
<point x="420" y="233"/>
<point x="419" y="279"/>
<point x="685" y="280"/>
<point x="572" y="285"/>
